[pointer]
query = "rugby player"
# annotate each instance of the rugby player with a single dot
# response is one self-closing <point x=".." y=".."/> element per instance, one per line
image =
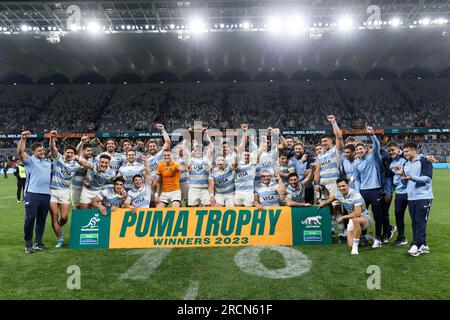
<point x="98" y="177"/>
<point x="113" y="198"/>
<point x="295" y="191"/>
<point x="64" y="169"/>
<point x="116" y="157"/>
<point x="269" y="193"/>
<point x="168" y="181"/>
<point x="84" y="151"/>
<point x="327" y="171"/>
<point x="141" y="192"/>
<point x="221" y="183"/>
<point x="127" y="145"/>
<point x="357" y="213"/>
<point x="199" y="166"/>
<point x="130" y="168"/>
<point x="300" y="164"/>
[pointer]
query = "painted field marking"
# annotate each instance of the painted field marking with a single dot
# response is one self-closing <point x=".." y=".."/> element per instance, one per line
<point x="144" y="267"/>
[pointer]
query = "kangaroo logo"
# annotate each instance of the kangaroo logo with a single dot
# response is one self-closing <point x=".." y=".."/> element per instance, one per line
<point x="92" y="225"/>
<point x="312" y="221"/>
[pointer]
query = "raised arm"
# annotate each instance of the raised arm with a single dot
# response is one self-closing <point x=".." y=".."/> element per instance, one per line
<point x="21" y="146"/>
<point x="53" y="149"/>
<point x="375" y="143"/>
<point x="148" y="173"/>
<point x="281" y="187"/>
<point x="166" y="137"/>
<point x="83" y="162"/>
<point x="337" y="133"/>
<point x="80" y="145"/>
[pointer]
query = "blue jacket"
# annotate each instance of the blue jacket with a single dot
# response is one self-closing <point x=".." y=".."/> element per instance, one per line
<point x="367" y="170"/>
<point x="421" y="171"/>
<point x="400" y="185"/>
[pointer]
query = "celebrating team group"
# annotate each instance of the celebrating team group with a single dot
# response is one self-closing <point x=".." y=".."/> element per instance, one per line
<point x="347" y="176"/>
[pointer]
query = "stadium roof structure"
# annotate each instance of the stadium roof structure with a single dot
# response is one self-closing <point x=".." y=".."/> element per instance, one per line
<point x="132" y="41"/>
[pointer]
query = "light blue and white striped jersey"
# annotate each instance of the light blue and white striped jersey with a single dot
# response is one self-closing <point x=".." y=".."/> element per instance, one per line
<point x="116" y="159"/>
<point x="110" y="198"/>
<point x="129" y="170"/>
<point x="352" y="199"/>
<point x="223" y="179"/>
<point x="267" y="161"/>
<point x="124" y="156"/>
<point x="296" y="194"/>
<point x="77" y="180"/>
<point x="63" y="172"/>
<point x="153" y="161"/>
<point x="245" y="177"/>
<point x="268" y="195"/>
<point x="284" y="170"/>
<point x="329" y="165"/>
<point x="99" y="180"/>
<point x="140" y="198"/>
<point x="198" y="175"/>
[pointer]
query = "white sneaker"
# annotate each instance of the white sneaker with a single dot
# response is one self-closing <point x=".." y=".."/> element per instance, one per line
<point x="355" y="250"/>
<point x="377" y="244"/>
<point x="59" y="243"/>
<point x="424" y="249"/>
<point x="413" y="251"/>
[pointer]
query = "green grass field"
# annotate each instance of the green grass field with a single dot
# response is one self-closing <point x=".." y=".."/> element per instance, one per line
<point x="334" y="273"/>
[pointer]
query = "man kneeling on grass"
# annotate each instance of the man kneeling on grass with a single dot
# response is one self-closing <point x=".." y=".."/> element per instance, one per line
<point x="359" y="217"/>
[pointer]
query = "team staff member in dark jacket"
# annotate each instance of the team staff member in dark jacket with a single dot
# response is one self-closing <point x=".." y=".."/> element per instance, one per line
<point x="37" y="192"/>
<point x="21" y="179"/>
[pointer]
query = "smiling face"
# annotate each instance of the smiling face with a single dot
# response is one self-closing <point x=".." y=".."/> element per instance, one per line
<point x="131" y="156"/>
<point x="289" y="143"/>
<point x="265" y="177"/>
<point x="118" y="187"/>
<point x="39" y="152"/>
<point x="360" y="151"/>
<point x="167" y="156"/>
<point x="110" y="146"/>
<point x="152" y="148"/>
<point x="349" y="154"/>
<point x="126" y="146"/>
<point x="69" y="154"/>
<point x="319" y="150"/>
<point x="409" y="153"/>
<point x="327" y="143"/>
<point x="343" y="187"/>
<point x="87" y="152"/>
<point x="393" y="152"/>
<point x="298" y="150"/>
<point x="293" y="181"/>
<point x="104" y="164"/>
<point x="137" y="182"/>
<point x="220" y="162"/>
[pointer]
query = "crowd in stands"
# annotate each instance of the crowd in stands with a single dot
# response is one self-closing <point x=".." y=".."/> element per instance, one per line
<point x="288" y="104"/>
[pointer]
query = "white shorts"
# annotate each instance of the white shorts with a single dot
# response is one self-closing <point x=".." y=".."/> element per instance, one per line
<point x="184" y="191"/>
<point x="88" y="195"/>
<point x="60" y="196"/>
<point x="169" y="197"/>
<point x="332" y="189"/>
<point x="76" y="194"/>
<point x="367" y="225"/>
<point x="198" y="196"/>
<point x="244" y="198"/>
<point x="226" y="200"/>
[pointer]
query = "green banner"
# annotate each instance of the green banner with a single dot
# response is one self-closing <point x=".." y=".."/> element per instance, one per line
<point x="200" y="227"/>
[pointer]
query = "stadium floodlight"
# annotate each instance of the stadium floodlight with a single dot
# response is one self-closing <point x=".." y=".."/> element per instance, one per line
<point x="439" y="21"/>
<point x="425" y="21"/>
<point x="246" y="25"/>
<point x="395" y="22"/>
<point x="24" y="28"/>
<point x="74" y="27"/>
<point x="171" y="26"/>
<point x="295" y="24"/>
<point x="197" y="25"/>
<point x="222" y="26"/>
<point x="128" y="27"/>
<point x="93" y="27"/>
<point x="274" y="25"/>
<point x="345" y="23"/>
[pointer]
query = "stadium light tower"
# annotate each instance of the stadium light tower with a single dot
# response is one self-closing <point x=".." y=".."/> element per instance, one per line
<point x="93" y="27"/>
<point x="345" y="23"/>
<point x="295" y="25"/>
<point x="274" y="25"/>
<point x="197" y="25"/>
